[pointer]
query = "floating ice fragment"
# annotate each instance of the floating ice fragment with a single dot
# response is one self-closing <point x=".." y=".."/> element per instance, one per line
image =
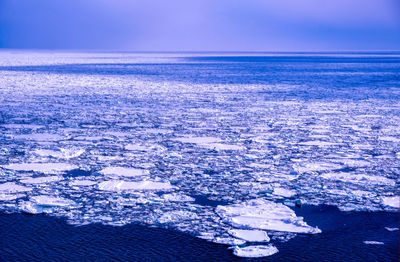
<point x="176" y="216"/>
<point x="359" y="178"/>
<point x="45" y="204"/>
<point x="41" y="167"/>
<point x="266" y="215"/>
<point x="391" y="201"/>
<point x="11" y="187"/>
<point x="317" y="166"/>
<point x="317" y="143"/>
<point x="82" y="183"/>
<point x="198" y="140"/>
<point x="119" y="185"/>
<point x="124" y="171"/>
<point x="222" y="147"/>
<point x="373" y="243"/>
<point x="41" y="180"/>
<point x="228" y="241"/>
<point x="22" y="126"/>
<point x="9" y="197"/>
<point x="40" y="137"/>
<point x="174" y="197"/>
<point x="45" y="200"/>
<point x="389" y="139"/>
<point x="250" y="235"/>
<point x="134" y="147"/>
<point x="62" y="153"/>
<point x="280" y="191"/>
<point x="391" y="228"/>
<point x="255" y="251"/>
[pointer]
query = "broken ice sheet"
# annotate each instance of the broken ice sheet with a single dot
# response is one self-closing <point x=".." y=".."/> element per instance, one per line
<point x="41" y="167"/>
<point x="393" y="201"/>
<point x="120" y="185"/>
<point x="63" y="153"/>
<point x="45" y="204"/>
<point x="250" y="235"/>
<point x="124" y="171"/>
<point x="255" y="251"/>
<point x="266" y="215"/>
<point x="11" y="187"/>
<point x="41" y="180"/>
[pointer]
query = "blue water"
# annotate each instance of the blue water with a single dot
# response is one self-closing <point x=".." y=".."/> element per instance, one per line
<point x="42" y="238"/>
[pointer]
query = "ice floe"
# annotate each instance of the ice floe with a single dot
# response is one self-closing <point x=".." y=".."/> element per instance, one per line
<point x="175" y="197"/>
<point x="41" y="167"/>
<point x="316" y="167"/>
<point x="391" y="228"/>
<point x="359" y="178"/>
<point x="40" y="137"/>
<point x="250" y="235"/>
<point x="124" y="171"/>
<point x="62" y="153"/>
<point x="228" y="241"/>
<point x="41" y="180"/>
<point x="11" y="187"/>
<point x="373" y="242"/>
<point x="174" y="216"/>
<point x="255" y="251"/>
<point x="82" y="183"/>
<point x="135" y="147"/>
<point x="266" y="215"/>
<point x="120" y="185"/>
<point x="393" y="201"/>
<point x="280" y="191"/>
<point x="45" y="204"/>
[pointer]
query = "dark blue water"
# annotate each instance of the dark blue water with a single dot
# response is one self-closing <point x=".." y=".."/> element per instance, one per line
<point x="43" y="238"/>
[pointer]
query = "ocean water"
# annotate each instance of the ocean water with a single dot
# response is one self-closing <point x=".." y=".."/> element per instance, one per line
<point x="147" y="151"/>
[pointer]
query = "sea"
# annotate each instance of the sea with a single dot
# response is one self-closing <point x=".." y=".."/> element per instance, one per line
<point x="207" y="156"/>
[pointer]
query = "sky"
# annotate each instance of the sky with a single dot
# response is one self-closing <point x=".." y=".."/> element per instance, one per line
<point x="201" y="25"/>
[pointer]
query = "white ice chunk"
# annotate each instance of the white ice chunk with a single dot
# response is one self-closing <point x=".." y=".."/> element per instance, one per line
<point x="228" y="241"/>
<point x="391" y="228"/>
<point x="62" y="153"/>
<point x="82" y="183"/>
<point x="176" y="216"/>
<point x="40" y="137"/>
<point x="45" y="204"/>
<point x="45" y="200"/>
<point x="255" y="251"/>
<point x="124" y="171"/>
<point x="11" y="187"/>
<point x="250" y="235"/>
<point x="198" y="140"/>
<point x="359" y="178"/>
<point x="41" y="180"/>
<point x="264" y="214"/>
<point x="41" y="167"/>
<point x="317" y="143"/>
<point x="391" y="201"/>
<point x="9" y="197"/>
<point x="222" y="147"/>
<point x="315" y="167"/>
<point x="174" y="197"/>
<point x="119" y="185"/>
<point x="373" y="243"/>
<point x="280" y="191"/>
<point x="389" y="139"/>
<point x="135" y="147"/>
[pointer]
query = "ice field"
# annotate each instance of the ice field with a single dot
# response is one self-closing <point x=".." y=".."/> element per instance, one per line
<point x="218" y="146"/>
